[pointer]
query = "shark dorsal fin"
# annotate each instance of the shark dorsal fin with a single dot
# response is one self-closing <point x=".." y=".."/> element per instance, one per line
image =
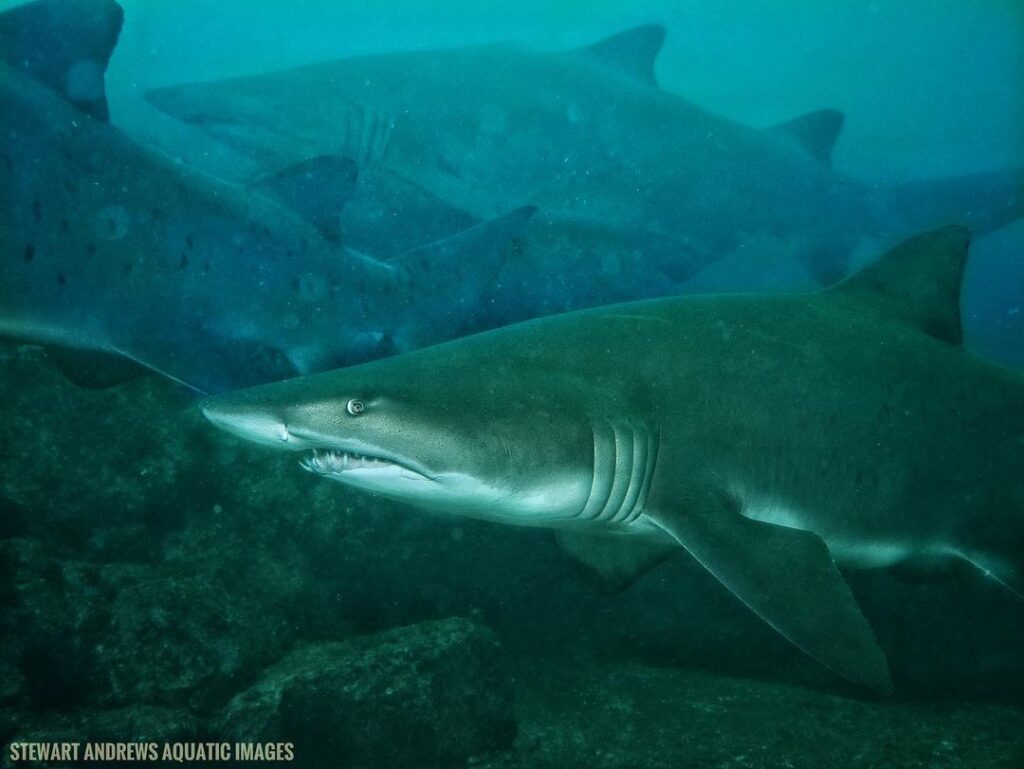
<point x="816" y="132"/>
<point x="317" y="188"/>
<point x="66" y="45"/>
<point x="631" y="51"/>
<point x="917" y="282"/>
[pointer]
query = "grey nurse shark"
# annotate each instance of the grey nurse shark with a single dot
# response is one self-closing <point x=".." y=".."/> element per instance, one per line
<point x="110" y="247"/>
<point x="769" y="436"/>
<point x="588" y="137"/>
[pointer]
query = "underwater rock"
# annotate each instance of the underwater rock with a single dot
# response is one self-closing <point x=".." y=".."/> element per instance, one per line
<point x="100" y="471"/>
<point x="431" y="694"/>
<point x="185" y="640"/>
<point x="77" y="633"/>
<point x="619" y="715"/>
<point x="48" y="608"/>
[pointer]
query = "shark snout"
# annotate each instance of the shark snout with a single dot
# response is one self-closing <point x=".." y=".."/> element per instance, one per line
<point x="248" y="422"/>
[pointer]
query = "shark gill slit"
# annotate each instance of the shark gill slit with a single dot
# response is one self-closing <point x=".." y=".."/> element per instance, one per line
<point x="637" y="475"/>
<point x="624" y="459"/>
<point x="603" y="477"/>
<point x="653" y="444"/>
<point x="623" y="447"/>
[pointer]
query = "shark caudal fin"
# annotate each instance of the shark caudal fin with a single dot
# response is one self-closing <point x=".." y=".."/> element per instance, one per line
<point x="66" y="45"/>
<point x="983" y="202"/>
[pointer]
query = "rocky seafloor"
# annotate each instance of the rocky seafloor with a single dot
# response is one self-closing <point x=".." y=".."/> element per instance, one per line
<point x="160" y="582"/>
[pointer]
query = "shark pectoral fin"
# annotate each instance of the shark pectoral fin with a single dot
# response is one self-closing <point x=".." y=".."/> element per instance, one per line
<point x="452" y="274"/>
<point x="317" y="188"/>
<point x="389" y="215"/>
<point x="212" y="363"/>
<point x="788" y="578"/>
<point x="613" y="562"/>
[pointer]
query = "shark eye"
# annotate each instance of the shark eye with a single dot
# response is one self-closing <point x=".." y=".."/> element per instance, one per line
<point x="355" y="407"/>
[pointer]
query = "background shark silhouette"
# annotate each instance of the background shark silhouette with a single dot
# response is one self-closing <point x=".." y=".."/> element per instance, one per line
<point x="588" y="137"/>
<point x="109" y="247"/>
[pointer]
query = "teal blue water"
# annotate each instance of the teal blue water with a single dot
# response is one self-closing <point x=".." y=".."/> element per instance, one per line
<point x="928" y="88"/>
<point x="159" y="580"/>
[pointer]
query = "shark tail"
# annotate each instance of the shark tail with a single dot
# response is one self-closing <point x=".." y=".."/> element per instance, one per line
<point x="66" y="45"/>
<point x="983" y="202"/>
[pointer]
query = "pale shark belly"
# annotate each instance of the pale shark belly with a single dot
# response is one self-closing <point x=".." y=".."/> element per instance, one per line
<point x="850" y="545"/>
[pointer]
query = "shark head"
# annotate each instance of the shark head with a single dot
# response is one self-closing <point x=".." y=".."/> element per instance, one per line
<point x="491" y="447"/>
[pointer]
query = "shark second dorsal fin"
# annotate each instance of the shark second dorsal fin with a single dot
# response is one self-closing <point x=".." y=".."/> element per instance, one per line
<point x="917" y="282"/>
<point x="317" y="189"/>
<point x="816" y="132"/>
<point x="66" y="45"/>
<point x="632" y="51"/>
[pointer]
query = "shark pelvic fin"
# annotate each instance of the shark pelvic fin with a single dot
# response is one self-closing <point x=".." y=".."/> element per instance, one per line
<point x="917" y="282"/>
<point x="66" y="45"/>
<point x="613" y="562"/>
<point x="317" y="188"/>
<point x="816" y="132"/>
<point x="787" y="577"/>
<point x="631" y="51"/>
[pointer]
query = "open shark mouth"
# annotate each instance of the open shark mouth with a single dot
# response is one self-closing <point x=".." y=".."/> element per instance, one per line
<point x="337" y="462"/>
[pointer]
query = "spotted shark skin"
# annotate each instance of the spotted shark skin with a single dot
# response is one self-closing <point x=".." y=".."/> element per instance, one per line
<point x="110" y="247"/>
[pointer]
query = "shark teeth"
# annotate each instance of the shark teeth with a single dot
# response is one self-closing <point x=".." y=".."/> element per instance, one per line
<point x="334" y="462"/>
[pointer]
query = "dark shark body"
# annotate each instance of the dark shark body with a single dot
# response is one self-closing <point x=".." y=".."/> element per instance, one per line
<point x="587" y="137"/>
<point x="110" y="247"/>
<point x="771" y="437"/>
